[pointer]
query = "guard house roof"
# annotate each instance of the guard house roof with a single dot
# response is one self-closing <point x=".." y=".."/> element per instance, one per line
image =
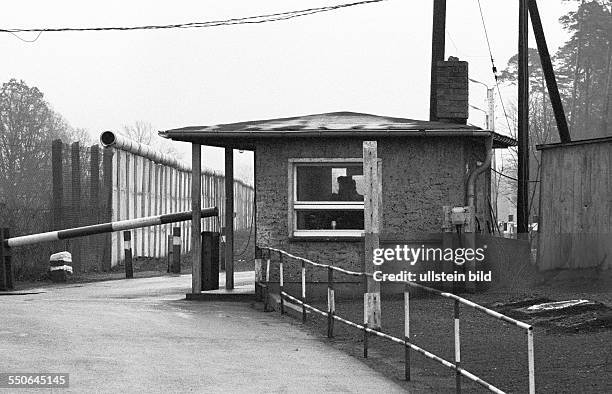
<point x="328" y="125"/>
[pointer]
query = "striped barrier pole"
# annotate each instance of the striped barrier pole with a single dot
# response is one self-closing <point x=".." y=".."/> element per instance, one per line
<point x="175" y="268"/>
<point x="531" y="360"/>
<point x="407" y="334"/>
<point x="280" y="272"/>
<point x="331" y="303"/>
<point x="457" y="349"/>
<point x="127" y="254"/>
<point x="303" y="292"/>
<point x="106" y="228"/>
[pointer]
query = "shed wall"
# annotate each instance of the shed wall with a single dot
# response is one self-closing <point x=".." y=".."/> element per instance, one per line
<point x="575" y="226"/>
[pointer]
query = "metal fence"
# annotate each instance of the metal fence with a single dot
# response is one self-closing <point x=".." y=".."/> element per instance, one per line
<point x="263" y="278"/>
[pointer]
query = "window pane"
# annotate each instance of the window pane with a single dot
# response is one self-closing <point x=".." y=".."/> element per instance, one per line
<point x="349" y="219"/>
<point x="331" y="182"/>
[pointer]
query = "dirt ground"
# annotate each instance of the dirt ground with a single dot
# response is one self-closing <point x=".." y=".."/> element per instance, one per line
<point x="495" y="351"/>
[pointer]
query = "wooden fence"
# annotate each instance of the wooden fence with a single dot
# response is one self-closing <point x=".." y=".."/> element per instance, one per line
<point x="93" y="185"/>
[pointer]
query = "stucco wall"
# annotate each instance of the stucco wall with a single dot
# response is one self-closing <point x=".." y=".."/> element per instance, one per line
<point x="420" y="175"/>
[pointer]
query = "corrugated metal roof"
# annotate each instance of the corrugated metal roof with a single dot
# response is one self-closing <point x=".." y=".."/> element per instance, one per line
<point x="325" y="125"/>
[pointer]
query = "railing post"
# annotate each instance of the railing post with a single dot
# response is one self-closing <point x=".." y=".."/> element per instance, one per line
<point x="127" y="251"/>
<point x="267" y="293"/>
<point x="176" y="250"/>
<point x="258" y="274"/>
<point x="457" y="349"/>
<point x="280" y="270"/>
<point x="531" y="360"/>
<point x="407" y="333"/>
<point x="331" y="303"/>
<point x="6" y="265"/>
<point x="303" y="292"/>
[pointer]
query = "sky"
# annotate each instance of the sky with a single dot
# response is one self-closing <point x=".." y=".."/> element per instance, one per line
<point x="371" y="58"/>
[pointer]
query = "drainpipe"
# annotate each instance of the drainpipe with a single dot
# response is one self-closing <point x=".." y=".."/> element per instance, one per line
<point x="471" y="182"/>
<point x="470" y="230"/>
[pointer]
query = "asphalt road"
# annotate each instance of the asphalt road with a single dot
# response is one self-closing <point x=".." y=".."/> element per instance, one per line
<point x="140" y="335"/>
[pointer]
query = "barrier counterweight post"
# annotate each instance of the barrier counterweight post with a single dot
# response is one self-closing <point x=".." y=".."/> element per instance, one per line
<point x="331" y="303"/>
<point x="6" y="265"/>
<point x="303" y="292"/>
<point x="531" y="360"/>
<point x="407" y="334"/>
<point x="176" y="250"/>
<point x="169" y="253"/>
<point x="280" y="272"/>
<point x="127" y="252"/>
<point x="457" y="349"/>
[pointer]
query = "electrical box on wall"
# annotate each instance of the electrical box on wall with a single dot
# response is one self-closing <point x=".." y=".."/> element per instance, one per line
<point x="458" y="216"/>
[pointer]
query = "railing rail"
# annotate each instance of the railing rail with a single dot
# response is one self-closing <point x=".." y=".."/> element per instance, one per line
<point x="331" y="317"/>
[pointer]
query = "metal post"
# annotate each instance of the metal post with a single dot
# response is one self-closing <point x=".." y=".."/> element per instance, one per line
<point x="169" y="253"/>
<point x="457" y="349"/>
<point x="6" y="265"/>
<point x="331" y="302"/>
<point x="531" y="360"/>
<point x="127" y="251"/>
<point x="303" y="292"/>
<point x="176" y="250"/>
<point x="280" y="272"/>
<point x="267" y="293"/>
<point x="407" y="334"/>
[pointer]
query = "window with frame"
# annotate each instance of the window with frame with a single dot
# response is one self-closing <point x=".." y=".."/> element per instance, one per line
<point x="326" y="198"/>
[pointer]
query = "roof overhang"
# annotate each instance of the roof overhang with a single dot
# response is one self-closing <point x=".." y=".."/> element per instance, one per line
<point x="248" y="138"/>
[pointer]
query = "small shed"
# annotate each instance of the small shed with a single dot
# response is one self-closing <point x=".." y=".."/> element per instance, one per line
<point x="309" y="182"/>
<point x="575" y="227"/>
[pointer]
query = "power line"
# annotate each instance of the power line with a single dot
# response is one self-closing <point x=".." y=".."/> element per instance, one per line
<point x="24" y="40"/>
<point x="493" y="68"/>
<point x="511" y="178"/>
<point x="226" y="22"/>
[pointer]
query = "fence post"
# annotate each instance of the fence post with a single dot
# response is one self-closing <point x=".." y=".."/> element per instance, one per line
<point x="58" y="183"/>
<point x="457" y="349"/>
<point x="280" y="270"/>
<point x="127" y="252"/>
<point x="303" y="291"/>
<point x="75" y="204"/>
<point x="531" y="360"/>
<point x="176" y="250"/>
<point x="407" y="333"/>
<point x="6" y="267"/>
<point x="331" y="302"/>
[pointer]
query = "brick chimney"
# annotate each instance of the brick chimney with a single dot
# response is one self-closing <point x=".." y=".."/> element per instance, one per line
<point x="452" y="91"/>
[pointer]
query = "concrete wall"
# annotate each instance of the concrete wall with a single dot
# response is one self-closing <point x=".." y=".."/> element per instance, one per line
<point x="420" y="175"/>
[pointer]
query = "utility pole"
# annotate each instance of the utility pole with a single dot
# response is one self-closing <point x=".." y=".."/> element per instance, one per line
<point x="438" y="36"/>
<point x="522" y="198"/>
